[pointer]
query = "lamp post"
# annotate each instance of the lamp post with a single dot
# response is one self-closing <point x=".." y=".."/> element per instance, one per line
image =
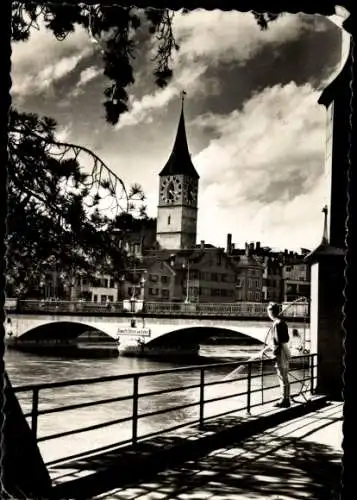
<point x="187" y="299"/>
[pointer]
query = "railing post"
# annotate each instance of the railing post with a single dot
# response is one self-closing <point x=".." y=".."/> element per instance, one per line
<point x="312" y="357"/>
<point x="34" y="415"/>
<point x="202" y="396"/>
<point x="249" y="387"/>
<point x="135" y="408"/>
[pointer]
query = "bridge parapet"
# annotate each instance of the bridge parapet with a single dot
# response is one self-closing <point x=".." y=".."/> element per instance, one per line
<point x="157" y="309"/>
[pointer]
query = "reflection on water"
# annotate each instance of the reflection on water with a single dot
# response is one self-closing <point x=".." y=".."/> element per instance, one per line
<point x="31" y="369"/>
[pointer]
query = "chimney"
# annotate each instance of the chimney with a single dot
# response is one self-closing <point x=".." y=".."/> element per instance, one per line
<point x="233" y="246"/>
<point x="202" y="246"/>
<point x="229" y="244"/>
<point x="246" y="249"/>
<point x="251" y="247"/>
<point x="257" y="246"/>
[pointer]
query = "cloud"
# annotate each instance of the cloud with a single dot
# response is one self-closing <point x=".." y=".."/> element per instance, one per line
<point x="86" y="76"/>
<point x="42" y="60"/>
<point x="63" y="134"/>
<point x="208" y="39"/>
<point x="141" y="109"/>
<point x="224" y="37"/>
<point x="264" y="162"/>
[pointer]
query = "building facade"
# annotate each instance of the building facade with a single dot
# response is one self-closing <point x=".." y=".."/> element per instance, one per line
<point x="272" y="285"/>
<point x="296" y="280"/>
<point x="100" y="288"/>
<point x="249" y="280"/>
<point x="197" y="275"/>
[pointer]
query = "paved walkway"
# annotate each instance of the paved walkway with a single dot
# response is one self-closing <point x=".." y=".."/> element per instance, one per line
<point x="298" y="459"/>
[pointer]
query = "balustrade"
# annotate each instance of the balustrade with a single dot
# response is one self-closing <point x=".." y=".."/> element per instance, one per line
<point x="233" y="309"/>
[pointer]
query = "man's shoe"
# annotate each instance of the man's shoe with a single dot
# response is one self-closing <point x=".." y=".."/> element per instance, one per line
<point x="284" y="403"/>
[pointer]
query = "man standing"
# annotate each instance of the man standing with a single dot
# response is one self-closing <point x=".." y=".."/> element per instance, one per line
<point x="280" y="339"/>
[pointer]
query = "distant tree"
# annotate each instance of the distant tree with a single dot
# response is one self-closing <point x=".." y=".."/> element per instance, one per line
<point x="59" y="215"/>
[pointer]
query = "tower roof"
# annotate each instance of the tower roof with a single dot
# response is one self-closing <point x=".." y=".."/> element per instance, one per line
<point x="180" y="158"/>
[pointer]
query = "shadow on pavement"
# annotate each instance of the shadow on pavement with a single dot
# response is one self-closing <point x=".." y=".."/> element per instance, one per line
<point x="262" y="466"/>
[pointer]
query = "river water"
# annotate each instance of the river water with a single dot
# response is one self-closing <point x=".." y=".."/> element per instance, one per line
<point x="24" y="368"/>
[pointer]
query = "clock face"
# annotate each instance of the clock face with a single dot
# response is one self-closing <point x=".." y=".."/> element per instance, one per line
<point x="190" y="195"/>
<point x="171" y="189"/>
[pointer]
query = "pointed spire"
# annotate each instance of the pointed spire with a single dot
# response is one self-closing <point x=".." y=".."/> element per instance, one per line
<point x="325" y="234"/>
<point x="180" y="158"/>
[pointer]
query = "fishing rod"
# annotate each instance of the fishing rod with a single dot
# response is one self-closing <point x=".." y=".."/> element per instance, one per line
<point x="261" y="353"/>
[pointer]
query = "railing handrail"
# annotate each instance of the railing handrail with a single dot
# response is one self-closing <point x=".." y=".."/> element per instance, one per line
<point x="136" y="415"/>
<point x="155" y="304"/>
<point x="149" y="373"/>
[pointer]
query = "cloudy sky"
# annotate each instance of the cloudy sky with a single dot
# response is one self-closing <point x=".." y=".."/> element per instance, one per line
<point x="255" y="130"/>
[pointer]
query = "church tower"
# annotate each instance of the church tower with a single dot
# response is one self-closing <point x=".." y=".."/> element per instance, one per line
<point x="178" y="191"/>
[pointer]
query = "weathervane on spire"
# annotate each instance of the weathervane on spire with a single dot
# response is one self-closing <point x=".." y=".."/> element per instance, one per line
<point x="183" y="93"/>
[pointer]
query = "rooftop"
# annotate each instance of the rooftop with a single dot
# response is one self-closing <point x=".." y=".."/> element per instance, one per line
<point x="179" y="162"/>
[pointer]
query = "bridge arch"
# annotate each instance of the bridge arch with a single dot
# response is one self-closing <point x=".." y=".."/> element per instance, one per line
<point x="63" y="331"/>
<point x="194" y="335"/>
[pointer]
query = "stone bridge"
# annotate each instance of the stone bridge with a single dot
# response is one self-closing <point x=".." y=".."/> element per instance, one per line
<point x="154" y="331"/>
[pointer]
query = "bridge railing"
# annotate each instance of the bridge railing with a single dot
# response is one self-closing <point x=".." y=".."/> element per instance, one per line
<point x="210" y="387"/>
<point x="234" y="309"/>
<point x="64" y="306"/>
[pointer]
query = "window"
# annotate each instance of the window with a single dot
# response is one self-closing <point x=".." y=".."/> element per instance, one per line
<point x="111" y="283"/>
<point x="95" y="298"/>
<point x="106" y="282"/>
<point x="165" y="293"/>
<point x="195" y="275"/>
<point x="110" y="298"/>
<point x="219" y="259"/>
<point x="153" y="291"/>
<point x="153" y="277"/>
<point x="103" y="298"/>
<point x="169" y="220"/>
<point x="214" y="277"/>
<point x="164" y="279"/>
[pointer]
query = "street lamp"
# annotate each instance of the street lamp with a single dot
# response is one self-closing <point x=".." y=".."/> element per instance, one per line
<point x="187" y="299"/>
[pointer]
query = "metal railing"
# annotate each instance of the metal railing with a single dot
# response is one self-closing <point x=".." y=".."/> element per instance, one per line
<point x="234" y="309"/>
<point x="66" y="306"/>
<point x="247" y="403"/>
